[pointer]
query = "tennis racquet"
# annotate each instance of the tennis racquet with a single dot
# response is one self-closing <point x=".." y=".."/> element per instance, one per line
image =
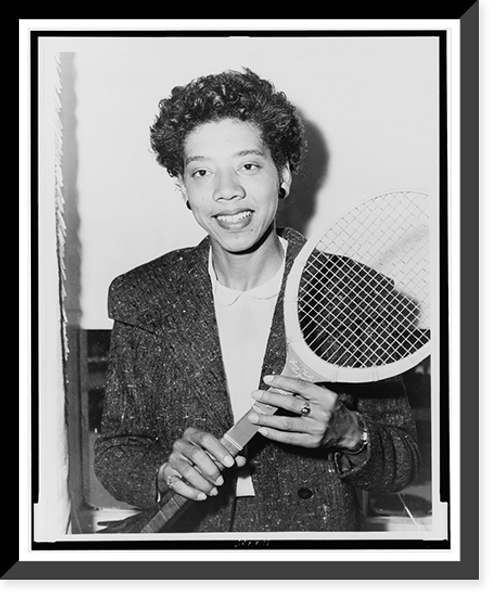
<point x="356" y="309"/>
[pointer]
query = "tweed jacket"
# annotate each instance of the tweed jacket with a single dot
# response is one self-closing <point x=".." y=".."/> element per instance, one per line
<point x="166" y="374"/>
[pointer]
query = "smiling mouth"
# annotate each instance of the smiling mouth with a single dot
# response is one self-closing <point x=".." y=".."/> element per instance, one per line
<point x="236" y="219"/>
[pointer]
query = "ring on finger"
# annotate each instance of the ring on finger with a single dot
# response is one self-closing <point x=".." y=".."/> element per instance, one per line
<point x="305" y="409"/>
<point x="170" y="480"/>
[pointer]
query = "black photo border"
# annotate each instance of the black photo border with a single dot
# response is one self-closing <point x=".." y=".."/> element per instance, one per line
<point x="467" y="567"/>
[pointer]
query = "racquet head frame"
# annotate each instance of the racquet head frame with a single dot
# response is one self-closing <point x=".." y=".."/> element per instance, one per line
<point x="308" y="364"/>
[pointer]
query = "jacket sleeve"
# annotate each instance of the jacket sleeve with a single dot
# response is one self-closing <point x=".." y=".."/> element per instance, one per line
<point x="392" y="457"/>
<point x="128" y="451"/>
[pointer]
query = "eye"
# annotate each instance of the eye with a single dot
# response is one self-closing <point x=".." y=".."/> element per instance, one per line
<point x="250" y="167"/>
<point x="199" y="173"/>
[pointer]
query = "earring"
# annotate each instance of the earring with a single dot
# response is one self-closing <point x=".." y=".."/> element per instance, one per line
<point x="282" y="193"/>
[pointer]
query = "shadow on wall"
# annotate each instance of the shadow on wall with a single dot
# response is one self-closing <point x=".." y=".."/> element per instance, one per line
<point x="297" y="210"/>
<point x="73" y="250"/>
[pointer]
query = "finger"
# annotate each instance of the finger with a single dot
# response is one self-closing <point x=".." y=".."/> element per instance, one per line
<point x="289" y="402"/>
<point x="300" y="439"/>
<point x="191" y="475"/>
<point x="182" y="488"/>
<point x="195" y="466"/>
<point x="241" y="461"/>
<point x="307" y="390"/>
<point x="169" y="479"/>
<point x="205" y="452"/>
<point x="281" y="422"/>
<point x="211" y="445"/>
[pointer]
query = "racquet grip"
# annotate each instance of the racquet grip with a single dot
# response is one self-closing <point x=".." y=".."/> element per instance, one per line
<point x="243" y="430"/>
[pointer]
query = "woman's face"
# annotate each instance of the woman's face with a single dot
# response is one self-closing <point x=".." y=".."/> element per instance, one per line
<point x="231" y="183"/>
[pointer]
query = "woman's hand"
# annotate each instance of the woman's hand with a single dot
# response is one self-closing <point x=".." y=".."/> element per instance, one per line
<point x="194" y="468"/>
<point x="321" y="421"/>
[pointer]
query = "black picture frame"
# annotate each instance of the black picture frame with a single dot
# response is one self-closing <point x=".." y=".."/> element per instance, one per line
<point x="467" y="567"/>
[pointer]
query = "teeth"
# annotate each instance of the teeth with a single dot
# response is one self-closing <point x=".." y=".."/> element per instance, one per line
<point x="234" y="218"/>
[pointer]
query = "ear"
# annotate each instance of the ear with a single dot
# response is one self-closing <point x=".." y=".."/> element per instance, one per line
<point x="286" y="179"/>
<point x="179" y="184"/>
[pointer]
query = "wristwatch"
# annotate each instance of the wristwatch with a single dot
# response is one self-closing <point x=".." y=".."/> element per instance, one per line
<point x="364" y="438"/>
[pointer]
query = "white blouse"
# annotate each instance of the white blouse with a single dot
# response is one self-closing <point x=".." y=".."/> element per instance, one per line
<point x="244" y="321"/>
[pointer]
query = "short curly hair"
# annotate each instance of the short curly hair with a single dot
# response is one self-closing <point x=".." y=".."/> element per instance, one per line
<point x="228" y="95"/>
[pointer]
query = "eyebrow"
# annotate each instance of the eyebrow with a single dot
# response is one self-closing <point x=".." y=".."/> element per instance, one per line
<point x="241" y="153"/>
<point x="256" y="151"/>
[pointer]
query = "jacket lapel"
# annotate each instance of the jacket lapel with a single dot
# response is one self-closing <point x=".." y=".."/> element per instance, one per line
<point x="197" y="335"/>
<point x="185" y="317"/>
<point x="276" y="350"/>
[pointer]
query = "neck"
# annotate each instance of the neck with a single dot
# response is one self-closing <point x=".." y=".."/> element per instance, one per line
<point x="244" y="271"/>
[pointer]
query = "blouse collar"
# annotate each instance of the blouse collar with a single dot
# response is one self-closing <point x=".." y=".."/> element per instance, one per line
<point x="267" y="290"/>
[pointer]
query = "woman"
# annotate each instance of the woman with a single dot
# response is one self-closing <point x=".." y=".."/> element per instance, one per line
<point x="198" y="335"/>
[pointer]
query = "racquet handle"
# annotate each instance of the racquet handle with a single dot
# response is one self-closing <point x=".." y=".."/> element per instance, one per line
<point x="243" y="430"/>
<point x="172" y="505"/>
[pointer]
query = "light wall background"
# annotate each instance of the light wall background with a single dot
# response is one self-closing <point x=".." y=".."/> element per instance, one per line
<point x="371" y="110"/>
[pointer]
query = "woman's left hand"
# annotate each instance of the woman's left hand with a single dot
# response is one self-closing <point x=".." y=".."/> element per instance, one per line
<point x="321" y="420"/>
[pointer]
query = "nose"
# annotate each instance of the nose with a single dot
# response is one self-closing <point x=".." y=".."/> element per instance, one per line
<point x="227" y="187"/>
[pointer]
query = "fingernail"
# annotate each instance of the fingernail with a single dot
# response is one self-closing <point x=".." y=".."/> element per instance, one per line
<point x="228" y="461"/>
<point x="268" y="379"/>
<point x="253" y="418"/>
<point x="219" y="481"/>
<point x="201" y="496"/>
<point x="213" y="492"/>
<point x="257" y="395"/>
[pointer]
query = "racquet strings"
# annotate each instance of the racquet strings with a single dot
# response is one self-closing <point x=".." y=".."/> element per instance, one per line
<point x="364" y="292"/>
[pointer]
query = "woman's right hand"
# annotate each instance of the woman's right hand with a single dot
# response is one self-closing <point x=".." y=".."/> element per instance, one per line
<point x="194" y="469"/>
